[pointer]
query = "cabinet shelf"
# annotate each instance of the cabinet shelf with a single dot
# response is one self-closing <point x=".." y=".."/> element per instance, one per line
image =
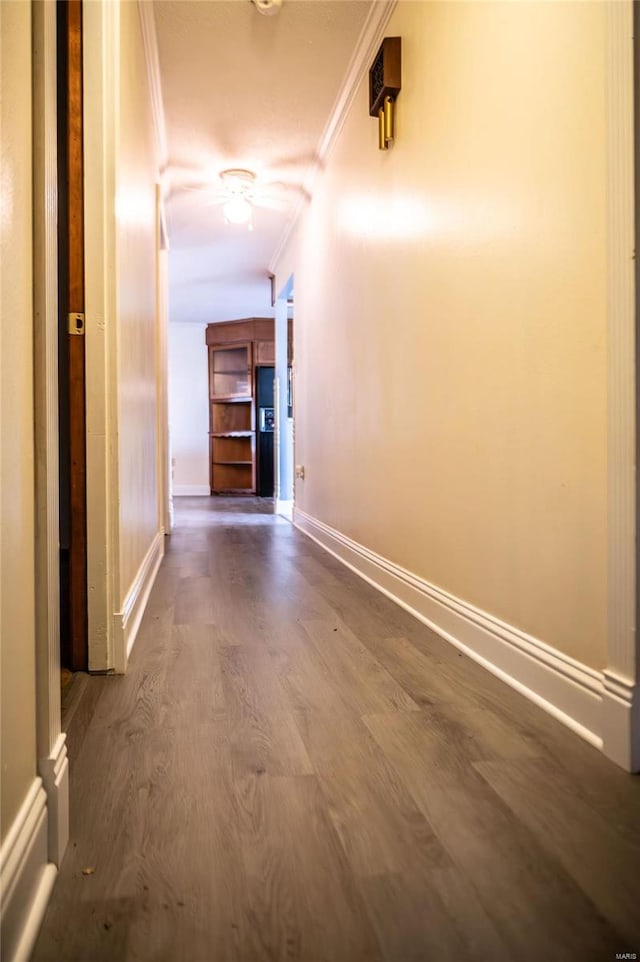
<point x="232" y="434"/>
<point x="217" y="461"/>
<point x="231" y="399"/>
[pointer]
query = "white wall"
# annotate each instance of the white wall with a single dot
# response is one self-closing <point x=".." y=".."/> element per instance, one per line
<point x="458" y="299"/>
<point x="137" y="173"/>
<point x="455" y="289"/>
<point x="124" y="382"/>
<point x="26" y="875"/>
<point x="189" y="409"/>
<point x="17" y="531"/>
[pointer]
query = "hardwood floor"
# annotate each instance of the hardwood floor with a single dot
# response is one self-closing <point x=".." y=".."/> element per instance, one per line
<point x="294" y="768"/>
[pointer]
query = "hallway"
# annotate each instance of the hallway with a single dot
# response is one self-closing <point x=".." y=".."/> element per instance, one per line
<point x="294" y="768"/>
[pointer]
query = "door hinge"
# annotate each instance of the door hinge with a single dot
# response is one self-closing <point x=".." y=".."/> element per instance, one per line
<point x="75" y="323"/>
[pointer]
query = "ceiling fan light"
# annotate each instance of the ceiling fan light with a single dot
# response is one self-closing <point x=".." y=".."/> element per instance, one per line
<point x="237" y="210"/>
<point x="268" y="8"/>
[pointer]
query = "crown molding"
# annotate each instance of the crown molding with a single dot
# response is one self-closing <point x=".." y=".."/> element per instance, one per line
<point x="368" y="42"/>
<point x="366" y="47"/>
<point x="150" y="41"/>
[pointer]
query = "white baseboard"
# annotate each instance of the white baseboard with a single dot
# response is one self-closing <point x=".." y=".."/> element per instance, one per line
<point x="26" y="877"/>
<point x="285" y="508"/>
<point x="568" y="690"/>
<point x="621" y="720"/>
<point x="55" y="775"/>
<point x="127" y="621"/>
<point x="191" y="490"/>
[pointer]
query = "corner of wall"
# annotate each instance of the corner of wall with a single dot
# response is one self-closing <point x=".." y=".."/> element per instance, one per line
<point x="621" y="721"/>
<point x="26" y="876"/>
<point x="126" y="622"/>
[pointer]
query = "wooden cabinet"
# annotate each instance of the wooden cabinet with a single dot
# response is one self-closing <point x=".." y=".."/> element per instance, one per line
<point x="230" y="372"/>
<point x="232" y="439"/>
<point x="235" y="349"/>
<point x="265" y="352"/>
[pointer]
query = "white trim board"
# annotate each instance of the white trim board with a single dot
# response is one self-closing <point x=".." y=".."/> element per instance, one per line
<point x="191" y="490"/>
<point x="52" y="752"/>
<point x="54" y="770"/>
<point x="26" y="877"/>
<point x="127" y="622"/>
<point x="565" y="688"/>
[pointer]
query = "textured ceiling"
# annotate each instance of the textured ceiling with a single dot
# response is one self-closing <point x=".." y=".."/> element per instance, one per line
<point x="242" y="90"/>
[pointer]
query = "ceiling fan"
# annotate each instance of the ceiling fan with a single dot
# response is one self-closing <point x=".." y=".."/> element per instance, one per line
<point x="237" y="190"/>
<point x="238" y="196"/>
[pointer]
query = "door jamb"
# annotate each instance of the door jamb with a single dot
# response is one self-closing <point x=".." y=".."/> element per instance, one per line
<point x="53" y="765"/>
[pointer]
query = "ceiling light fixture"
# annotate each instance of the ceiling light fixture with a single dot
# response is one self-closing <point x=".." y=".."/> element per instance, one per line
<point x="238" y="188"/>
<point x="267" y="7"/>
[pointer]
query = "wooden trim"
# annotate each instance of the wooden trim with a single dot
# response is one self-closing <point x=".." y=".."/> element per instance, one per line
<point x="78" y="647"/>
<point x="245" y="329"/>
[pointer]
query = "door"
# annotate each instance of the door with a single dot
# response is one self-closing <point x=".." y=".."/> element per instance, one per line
<point x="71" y="355"/>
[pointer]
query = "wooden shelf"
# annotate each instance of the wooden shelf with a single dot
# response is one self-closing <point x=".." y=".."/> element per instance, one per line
<point x="232" y="418"/>
<point x="237" y="353"/>
<point x="232" y="491"/>
<point x="231" y="399"/>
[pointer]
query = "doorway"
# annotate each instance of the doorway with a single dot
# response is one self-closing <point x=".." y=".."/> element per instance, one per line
<point x="71" y="342"/>
<point x="284" y="400"/>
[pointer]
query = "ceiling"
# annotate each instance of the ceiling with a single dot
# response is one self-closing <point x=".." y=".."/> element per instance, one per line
<point x="250" y="91"/>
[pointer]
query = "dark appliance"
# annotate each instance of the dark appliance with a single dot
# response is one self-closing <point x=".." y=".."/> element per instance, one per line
<point x="266" y="424"/>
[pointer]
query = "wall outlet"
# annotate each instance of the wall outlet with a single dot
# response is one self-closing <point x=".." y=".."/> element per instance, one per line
<point x="300" y="471"/>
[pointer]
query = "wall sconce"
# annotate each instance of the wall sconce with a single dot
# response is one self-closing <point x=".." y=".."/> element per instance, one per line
<point x="268" y="8"/>
<point x="385" y="83"/>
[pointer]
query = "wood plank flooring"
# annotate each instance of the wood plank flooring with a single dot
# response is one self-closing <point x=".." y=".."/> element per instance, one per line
<point x="295" y="769"/>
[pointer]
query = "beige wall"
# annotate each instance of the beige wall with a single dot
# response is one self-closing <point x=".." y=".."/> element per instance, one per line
<point x="454" y="288"/>
<point x="136" y="257"/>
<point x="17" y="595"/>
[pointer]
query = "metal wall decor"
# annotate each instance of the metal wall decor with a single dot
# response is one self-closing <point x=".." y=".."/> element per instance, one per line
<point x="385" y="83"/>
